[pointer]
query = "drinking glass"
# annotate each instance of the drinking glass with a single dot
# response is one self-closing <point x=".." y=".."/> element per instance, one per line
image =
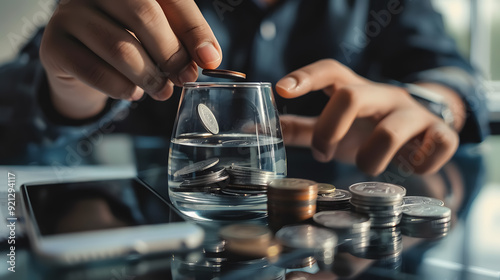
<point x="223" y="127"/>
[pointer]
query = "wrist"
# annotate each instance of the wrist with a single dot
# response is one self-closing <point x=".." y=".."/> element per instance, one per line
<point x="76" y="102"/>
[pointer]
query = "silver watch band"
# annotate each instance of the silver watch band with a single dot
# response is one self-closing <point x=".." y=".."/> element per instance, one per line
<point x="434" y="102"/>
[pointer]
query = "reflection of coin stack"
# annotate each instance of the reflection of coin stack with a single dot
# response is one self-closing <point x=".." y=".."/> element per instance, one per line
<point x="247" y="180"/>
<point x="425" y="220"/>
<point x="381" y="201"/>
<point x="249" y="240"/>
<point x="382" y="243"/>
<point x="336" y="200"/>
<point x="307" y="244"/>
<point x="290" y="201"/>
<point x="348" y="225"/>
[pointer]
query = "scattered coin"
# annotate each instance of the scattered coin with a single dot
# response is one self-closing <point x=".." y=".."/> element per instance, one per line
<point x="427" y="211"/>
<point x="208" y="119"/>
<point x="336" y="200"/>
<point x="411" y="200"/>
<point x="324" y="188"/>
<point x="225" y="74"/>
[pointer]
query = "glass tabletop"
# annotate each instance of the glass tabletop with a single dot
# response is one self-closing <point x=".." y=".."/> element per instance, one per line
<point x="468" y="185"/>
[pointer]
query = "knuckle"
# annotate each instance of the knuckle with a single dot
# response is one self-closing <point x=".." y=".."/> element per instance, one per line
<point x="332" y="63"/>
<point x="387" y="136"/>
<point x="95" y="75"/>
<point x="147" y="13"/>
<point x="122" y="50"/>
<point x="196" y="31"/>
<point x="348" y="96"/>
<point x="152" y="82"/>
<point x="124" y="91"/>
<point x="176" y="60"/>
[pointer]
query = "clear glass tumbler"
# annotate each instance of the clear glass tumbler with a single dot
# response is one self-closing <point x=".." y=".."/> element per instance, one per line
<point x="226" y="144"/>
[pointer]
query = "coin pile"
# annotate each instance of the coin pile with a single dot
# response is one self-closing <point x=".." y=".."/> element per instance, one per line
<point x="207" y="176"/>
<point x="290" y="201"/>
<point x="338" y="199"/>
<point x="425" y="220"/>
<point x="249" y="240"/>
<point x="348" y="225"/>
<point x="248" y="180"/>
<point x="383" y="202"/>
<point x="310" y="242"/>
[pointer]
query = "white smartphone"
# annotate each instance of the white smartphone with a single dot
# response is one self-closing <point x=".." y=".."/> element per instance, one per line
<point x="77" y="222"/>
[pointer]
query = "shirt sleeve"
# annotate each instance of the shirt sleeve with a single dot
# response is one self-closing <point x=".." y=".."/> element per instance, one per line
<point x="28" y="121"/>
<point x="414" y="46"/>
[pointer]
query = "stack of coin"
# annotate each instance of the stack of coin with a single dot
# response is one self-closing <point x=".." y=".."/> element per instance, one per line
<point x="383" y="202"/>
<point x="248" y="180"/>
<point x="350" y="227"/>
<point x="337" y="199"/>
<point x="309" y="242"/>
<point x="426" y="220"/>
<point x="290" y="201"/>
<point x="382" y="243"/>
<point x="249" y="240"/>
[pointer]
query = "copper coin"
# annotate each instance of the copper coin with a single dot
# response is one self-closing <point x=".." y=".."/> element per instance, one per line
<point x="225" y="74"/>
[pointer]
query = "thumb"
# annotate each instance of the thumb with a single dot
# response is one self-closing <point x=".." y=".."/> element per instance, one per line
<point x="297" y="130"/>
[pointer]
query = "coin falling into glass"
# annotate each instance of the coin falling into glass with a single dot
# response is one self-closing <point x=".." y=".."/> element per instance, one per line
<point x="208" y="119"/>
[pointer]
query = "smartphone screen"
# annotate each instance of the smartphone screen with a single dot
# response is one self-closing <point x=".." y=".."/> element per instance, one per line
<point x="96" y="205"/>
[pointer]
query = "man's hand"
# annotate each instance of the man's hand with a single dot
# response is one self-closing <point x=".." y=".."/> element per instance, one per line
<point x="365" y="122"/>
<point x="123" y="48"/>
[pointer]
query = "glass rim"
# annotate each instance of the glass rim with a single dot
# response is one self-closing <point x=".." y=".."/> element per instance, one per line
<point x="226" y="84"/>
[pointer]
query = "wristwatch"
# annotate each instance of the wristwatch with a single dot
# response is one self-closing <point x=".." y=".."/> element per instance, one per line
<point x="434" y="102"/>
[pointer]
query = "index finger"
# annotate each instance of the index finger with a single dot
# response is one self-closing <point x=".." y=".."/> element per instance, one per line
<point x="328" y="75"/>
<point x="192" y="29"/>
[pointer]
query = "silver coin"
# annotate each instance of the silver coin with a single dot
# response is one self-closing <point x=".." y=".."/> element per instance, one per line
<point x="411" y="200"/>
<point x="208" y="119"/>
<point x="306" y="237"/>
<point x="426" y="211"/>
<point x="342" y="219"/>
<point x="324" y="188"/>
<point x="197" y="166"/>
<point x="377" y="191"/>
<point x="337" y="195"/>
